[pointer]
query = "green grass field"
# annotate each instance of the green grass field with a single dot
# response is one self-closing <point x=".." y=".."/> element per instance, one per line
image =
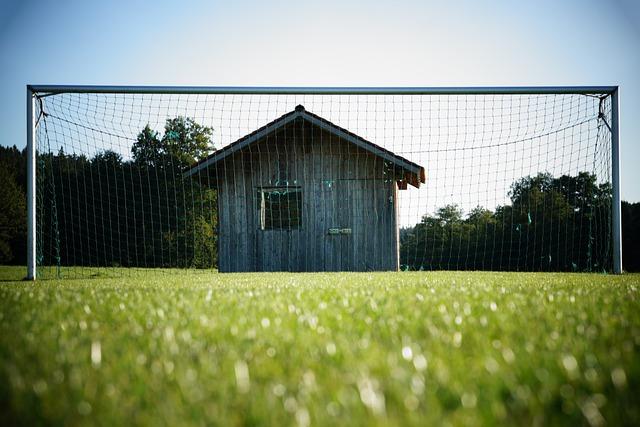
<point x="439" y="348"/>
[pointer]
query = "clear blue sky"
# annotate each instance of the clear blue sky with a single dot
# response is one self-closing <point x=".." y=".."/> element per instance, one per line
<point x="328" y="43"/>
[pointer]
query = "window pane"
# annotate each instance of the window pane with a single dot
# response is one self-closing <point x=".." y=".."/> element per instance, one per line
<point x="280" y="208"/>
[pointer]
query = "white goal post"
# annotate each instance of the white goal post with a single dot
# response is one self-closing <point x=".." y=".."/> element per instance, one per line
<point x="36" y="93"/>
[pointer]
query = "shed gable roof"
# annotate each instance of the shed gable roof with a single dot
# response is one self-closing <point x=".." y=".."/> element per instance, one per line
<point x="414" y="173"/>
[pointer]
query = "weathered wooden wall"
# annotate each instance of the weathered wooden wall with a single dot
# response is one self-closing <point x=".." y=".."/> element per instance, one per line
<point x="343" y="186"/>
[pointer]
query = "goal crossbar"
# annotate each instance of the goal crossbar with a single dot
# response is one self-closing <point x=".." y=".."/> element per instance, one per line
<point x="43" y="90"/>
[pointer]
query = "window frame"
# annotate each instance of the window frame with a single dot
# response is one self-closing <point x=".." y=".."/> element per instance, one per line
<point x="265" y="222"/>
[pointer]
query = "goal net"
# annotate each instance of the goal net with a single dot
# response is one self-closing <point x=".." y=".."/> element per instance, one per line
<point x="322" y="180"/>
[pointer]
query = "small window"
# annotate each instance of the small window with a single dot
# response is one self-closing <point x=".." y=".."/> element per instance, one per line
<point x="280" y="208"/>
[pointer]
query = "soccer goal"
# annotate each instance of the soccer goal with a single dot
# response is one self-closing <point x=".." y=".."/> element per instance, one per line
<point x="322" y="179"/>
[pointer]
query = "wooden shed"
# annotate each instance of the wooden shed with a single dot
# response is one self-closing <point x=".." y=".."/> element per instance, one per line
<point x="302" y="194"/>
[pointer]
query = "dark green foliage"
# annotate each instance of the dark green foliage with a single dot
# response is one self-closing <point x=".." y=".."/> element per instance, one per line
<point x="15" y="162"/>
<point x="13" y="214"/>
<point x="13" y="209"/>
<point x="631" y="236"/>
<point x="148" y="150"/>
<point x="552" y="224"/>
<point x="108" y="212"/>
<point x="184" y="142"/>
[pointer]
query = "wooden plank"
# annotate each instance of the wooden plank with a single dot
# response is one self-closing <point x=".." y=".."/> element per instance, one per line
<point x="348" y="222"/>
<point x="332" y="172"/>
<point x="231" y="223"/>
<point x="369" y="223"/>
<point x="224" y="229"/>
<point x="396" y="228"/>
<point x="298" y="242"/>
<point x="318" y="160"/>
<point x="250" y="213"/>
<point x="248" y="252"/>
<point x="239" y="209"/>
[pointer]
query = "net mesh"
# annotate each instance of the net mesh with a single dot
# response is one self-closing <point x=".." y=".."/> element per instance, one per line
<point x="513" y="182"/>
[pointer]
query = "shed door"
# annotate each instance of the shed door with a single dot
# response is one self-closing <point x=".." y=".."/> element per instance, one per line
<point x="356" y="225"/>
<point x="334" y="227"/>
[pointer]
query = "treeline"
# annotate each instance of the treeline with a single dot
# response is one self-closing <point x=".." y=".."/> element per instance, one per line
<point x="552" y="224"/>
<point x="13" y="206"/>
<point x="106" y="211"/>
<point x="631" y="236"/>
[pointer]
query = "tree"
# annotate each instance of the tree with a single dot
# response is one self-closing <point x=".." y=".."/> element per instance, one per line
<point x="148" y="151"/>
<point x="450" y="215"/>
<point x="183" y="221"/>
<point x="13" y="214"/>
<point x="186" y="141"/>
<point x="631" y="236"/>
<point x="107" y="158"/>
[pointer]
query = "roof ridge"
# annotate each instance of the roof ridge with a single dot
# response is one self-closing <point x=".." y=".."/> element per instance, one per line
<point x="314" y="119"/>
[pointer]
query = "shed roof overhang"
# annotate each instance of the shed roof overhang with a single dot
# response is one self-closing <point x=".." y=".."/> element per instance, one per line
<point x="414" y="173"/>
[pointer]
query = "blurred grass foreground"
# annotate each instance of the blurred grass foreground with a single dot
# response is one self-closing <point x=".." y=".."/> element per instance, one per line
<point x="321" y="349"/>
